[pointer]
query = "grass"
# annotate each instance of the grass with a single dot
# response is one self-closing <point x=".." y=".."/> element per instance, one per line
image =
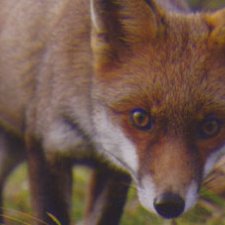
<point x="207" y="4"/>
<point x="18" y="210"/>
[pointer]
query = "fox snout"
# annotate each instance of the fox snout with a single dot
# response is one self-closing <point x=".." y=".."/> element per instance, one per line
<point x="168" y="204"/>
<point x="170" y="179"/>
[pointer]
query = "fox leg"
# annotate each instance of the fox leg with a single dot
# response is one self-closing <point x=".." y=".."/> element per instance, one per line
<point x="108" y="192"/>
<point x="51" y="186"/>
<point x="12" y="153"/>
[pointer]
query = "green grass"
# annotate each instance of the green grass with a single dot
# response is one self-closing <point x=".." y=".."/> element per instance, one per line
<point x="207" y="4"/>
<point x="18" y="210"/>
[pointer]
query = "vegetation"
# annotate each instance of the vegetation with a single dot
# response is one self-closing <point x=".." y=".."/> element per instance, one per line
<point x="209" y="211"/>
<point x="207" y="4"/>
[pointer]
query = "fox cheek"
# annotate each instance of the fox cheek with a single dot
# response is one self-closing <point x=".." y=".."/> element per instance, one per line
<point x="113" y="142"/>
<point x="212" y="159"/>
<point x="146" y="191"/>
<point x="192" y="195"/>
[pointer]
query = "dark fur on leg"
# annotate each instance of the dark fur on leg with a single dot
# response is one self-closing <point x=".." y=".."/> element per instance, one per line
<point x="108" y="193"/>
<point x="51" y="184"/>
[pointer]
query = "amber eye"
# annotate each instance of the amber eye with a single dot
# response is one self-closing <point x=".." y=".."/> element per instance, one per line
<point x="209" y="127"/>
<point x="141" y="119"/>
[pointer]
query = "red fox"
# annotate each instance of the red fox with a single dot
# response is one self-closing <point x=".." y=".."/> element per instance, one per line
<point x="132" y="88"/>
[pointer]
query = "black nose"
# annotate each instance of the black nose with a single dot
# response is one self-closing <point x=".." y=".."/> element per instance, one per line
<point x="169" y="205"/>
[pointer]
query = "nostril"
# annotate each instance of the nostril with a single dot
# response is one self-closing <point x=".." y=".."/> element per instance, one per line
<point x="169" y="205"/>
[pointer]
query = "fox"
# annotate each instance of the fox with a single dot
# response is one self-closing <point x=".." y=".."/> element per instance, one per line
<point x="133" y="89"/>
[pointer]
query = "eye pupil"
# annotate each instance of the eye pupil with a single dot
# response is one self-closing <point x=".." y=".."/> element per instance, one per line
<point x="141" y="119"/>
<point x="210" y="127"/>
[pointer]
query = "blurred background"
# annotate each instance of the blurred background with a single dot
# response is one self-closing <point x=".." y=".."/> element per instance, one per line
<point x="207" y="5"/>
<point x="210" y="209"/>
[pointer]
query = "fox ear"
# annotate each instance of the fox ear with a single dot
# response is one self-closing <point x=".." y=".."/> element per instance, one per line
<point x="216" y="21"/>
<point x="120" y="24"/>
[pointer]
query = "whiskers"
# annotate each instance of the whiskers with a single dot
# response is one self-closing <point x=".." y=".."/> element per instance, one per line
<point x="211" y="201"/>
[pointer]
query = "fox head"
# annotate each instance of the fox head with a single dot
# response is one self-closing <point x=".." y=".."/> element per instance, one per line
<point x="159" y="97"/>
